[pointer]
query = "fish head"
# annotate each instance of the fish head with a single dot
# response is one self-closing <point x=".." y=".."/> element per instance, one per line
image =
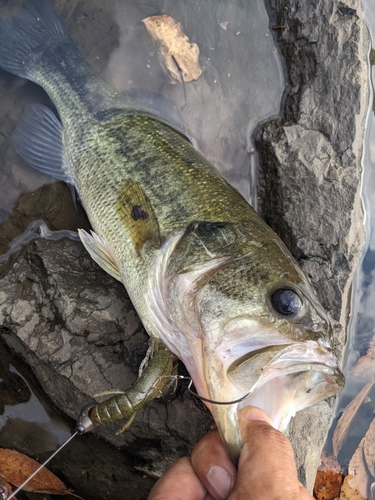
<point x="247" y="325"/>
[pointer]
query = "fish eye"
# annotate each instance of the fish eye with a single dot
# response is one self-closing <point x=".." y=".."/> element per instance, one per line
<point x="286" y="302"/>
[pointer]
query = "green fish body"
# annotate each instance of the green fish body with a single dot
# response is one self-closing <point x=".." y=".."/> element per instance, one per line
<point x="206" y="275"/>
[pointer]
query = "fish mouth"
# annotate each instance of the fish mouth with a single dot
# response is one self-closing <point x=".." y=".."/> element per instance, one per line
<point x="281" y="380"/>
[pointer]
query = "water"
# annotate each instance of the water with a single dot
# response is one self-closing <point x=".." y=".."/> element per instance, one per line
<point x="26" y="411"/>
<point x="242" y="84"/>
<point x="224" y="105"/>
<point x="28" y="420"/>
<point x="362" y="326"/>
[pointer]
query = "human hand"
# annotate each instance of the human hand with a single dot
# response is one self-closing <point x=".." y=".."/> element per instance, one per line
<point x="266" y="468"/>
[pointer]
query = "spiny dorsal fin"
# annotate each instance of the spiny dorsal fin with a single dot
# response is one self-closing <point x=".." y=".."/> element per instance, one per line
<point x="100" y="252"/>
<point x="137" y="215"/>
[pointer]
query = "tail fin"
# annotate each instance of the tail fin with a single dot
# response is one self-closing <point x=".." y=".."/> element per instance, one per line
<point x="28" y="33"/>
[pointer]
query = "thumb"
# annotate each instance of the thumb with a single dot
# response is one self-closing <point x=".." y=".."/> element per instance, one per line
<point x="266" y="468"/>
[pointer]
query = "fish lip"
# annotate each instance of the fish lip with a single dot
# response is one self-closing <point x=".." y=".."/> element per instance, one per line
<point x="295" y="376"/>
<point x="296" y="368"/>
<point x="226" y="416"/>
<point x="309" y="351"/>
<point x="321" y="381"/>
<point x="310" y="356"/>
<point x="281" y="379"/>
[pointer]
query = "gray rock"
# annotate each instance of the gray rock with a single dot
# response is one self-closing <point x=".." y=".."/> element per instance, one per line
<point x="76" y="328"/>
<point x="311" y="167"/>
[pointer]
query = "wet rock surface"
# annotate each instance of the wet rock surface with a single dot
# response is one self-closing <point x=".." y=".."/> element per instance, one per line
<point x="75" y="326"/>
<point x="90" y="466"/>
<point x="312" y="156"/>
<point x="311" y="166"/>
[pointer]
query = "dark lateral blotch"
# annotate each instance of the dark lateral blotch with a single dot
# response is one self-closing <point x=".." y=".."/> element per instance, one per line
<point x="138" y="213"/>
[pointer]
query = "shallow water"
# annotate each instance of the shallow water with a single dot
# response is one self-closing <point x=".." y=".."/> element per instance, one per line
<point x="362" y="326"/>
<point x="241" y="85"/>
<point x="223" y="105"/>
<point x="25" y="417"/>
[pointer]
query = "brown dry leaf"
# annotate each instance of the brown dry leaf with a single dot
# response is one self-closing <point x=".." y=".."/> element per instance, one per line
<point x="16" y="468"/>
<point x="369" y="448"/>
<point x="174" y="49"/>
<point x="327" y="485"/>
<point x="5" y="488"/>
<point x="342" y="429"/>
<point x="329" y="479"/>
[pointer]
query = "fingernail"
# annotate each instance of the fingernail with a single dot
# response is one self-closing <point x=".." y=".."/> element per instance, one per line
<point x="254" y="413"/>
<point x="220" y="481"/>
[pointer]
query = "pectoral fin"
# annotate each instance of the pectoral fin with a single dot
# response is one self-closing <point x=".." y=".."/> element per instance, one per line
<point x="137" y="215"/>
<point x="100" y="252"/>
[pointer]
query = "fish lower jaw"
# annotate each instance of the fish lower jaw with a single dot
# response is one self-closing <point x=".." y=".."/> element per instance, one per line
<point x="279" y="395"/>
<point x="282" y="395"/>
<point x="281" y="379"/>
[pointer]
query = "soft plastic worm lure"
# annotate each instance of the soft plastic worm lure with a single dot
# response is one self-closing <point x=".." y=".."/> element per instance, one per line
<point x="120" y="406"/>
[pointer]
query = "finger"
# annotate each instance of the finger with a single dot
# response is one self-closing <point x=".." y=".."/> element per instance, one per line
<point x="266" y="468"/>
<point x="180" y="482"/>
<point x="213" y="466"/>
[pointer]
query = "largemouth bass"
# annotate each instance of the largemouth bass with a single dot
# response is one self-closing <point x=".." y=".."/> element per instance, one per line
<point x="211" y="282"/>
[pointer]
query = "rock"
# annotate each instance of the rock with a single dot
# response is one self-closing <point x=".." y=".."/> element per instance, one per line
<point x="349" y="493"/>
<point x="310" y="159"/>
<point x="311" y="166"/>
<point x="76" y="328"/>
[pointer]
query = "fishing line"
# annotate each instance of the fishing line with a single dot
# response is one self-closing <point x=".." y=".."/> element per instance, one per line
<point x="193" y="393"/>
<point x="84" y="424"/>
<point x="41" y="467"/>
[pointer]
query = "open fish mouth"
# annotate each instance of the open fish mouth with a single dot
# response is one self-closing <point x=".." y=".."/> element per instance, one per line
<point x="281" y="380"/>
